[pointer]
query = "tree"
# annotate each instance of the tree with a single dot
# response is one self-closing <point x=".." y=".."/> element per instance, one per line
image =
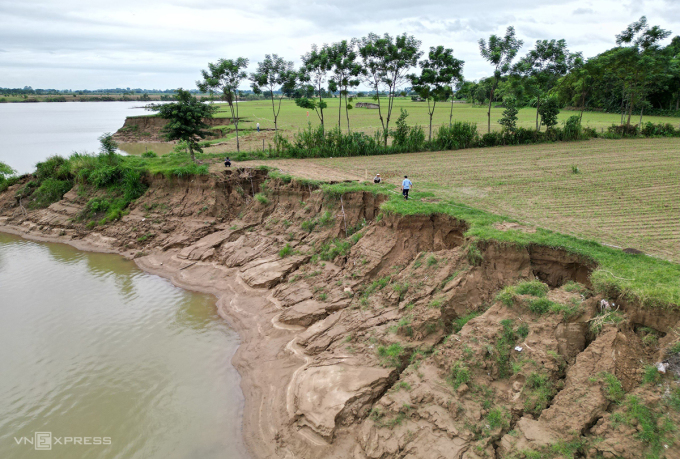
<point x="543" y="66"/>
<point x="5" y="171"/>
<point x="509" y="120"/>
<point x="577" y="85"/>
<point x="315" y="67"/>
<point x="549" y="111"/>
<point x="185" y="119"/>
<point x="272" y="73"/>
<point x="499" y="52"/>
<point x="438" y="73"/>
<point x="225" y="76"/>
<point x="346" y="72"/>
<point x="639" y="60"/>
<point x="386" y="62"/>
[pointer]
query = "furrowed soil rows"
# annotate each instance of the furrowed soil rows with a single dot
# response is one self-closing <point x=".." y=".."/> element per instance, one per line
<point x="626" y="193"/>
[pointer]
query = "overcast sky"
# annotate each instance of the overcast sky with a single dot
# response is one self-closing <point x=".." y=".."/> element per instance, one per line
<point x="90" y="44"/>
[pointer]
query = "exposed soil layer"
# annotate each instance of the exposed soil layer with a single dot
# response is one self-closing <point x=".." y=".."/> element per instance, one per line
<point x="150" y="128"/>
<point x="370" y="335"/>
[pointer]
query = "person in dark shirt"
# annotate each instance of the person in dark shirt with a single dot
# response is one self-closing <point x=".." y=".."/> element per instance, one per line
<point x="227" y="162"/>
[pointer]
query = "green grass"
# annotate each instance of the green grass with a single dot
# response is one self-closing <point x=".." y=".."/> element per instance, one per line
<point x="539" y="391"/>
<point x="644" y="279"/>
<point x="460" y="322"/>
<point x="285" y="251"/>
<point x="613" y="388"/>
<point x="293" y="118"/>
<point x="391" y="356"/>
<point x="459" y="375"/>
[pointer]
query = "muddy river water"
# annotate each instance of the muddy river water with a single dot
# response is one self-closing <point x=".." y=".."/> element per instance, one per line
<point x="30" y="133"/>
<point x="94" y="350"/>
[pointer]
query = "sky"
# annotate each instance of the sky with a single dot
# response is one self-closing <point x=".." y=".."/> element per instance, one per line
<point x="92" y="44"/>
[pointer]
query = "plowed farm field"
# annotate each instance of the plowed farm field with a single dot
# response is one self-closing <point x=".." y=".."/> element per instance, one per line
<point x="624" y="193"/>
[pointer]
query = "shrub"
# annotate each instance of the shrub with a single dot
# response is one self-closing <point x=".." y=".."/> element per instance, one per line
<point x="460" y="374"/>
<point x="262" y="199"/>
<point x="54" y="167"/>
<point x="461" y="134"/>
<point x="612" y="387"/>
<point x="149" y="154"/>
<point x="572" y="129"/>
<point x="540" y="305"/>
<point x="391" y="355"/>
<point x="474" y="255"/>
<point x="534" y="288"/>
<point x="50" y="191"/>
<point x="285" y="251"/>
<point x="539" y="391"/>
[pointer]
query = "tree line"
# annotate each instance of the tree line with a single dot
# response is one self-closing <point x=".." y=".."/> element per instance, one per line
<point x="635" y="75"/>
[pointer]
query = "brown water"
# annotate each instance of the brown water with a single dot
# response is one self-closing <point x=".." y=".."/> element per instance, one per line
<point x="92" y="347"/>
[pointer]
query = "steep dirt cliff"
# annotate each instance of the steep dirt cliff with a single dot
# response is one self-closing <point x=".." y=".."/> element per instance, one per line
<point x="374" y="335"/>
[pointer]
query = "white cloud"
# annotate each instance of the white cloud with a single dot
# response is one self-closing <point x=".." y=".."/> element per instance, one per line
<point x="161" y="44"/>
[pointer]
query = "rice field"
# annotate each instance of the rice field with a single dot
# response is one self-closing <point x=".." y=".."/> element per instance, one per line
<point x="624" y="193"/>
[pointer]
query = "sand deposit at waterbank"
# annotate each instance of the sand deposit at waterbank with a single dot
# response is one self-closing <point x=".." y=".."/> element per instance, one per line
<point x="394" y="343"/>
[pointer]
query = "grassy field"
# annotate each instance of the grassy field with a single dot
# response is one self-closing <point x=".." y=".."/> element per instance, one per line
<point x="626" y="192"/>
<point x="293" y="118"/>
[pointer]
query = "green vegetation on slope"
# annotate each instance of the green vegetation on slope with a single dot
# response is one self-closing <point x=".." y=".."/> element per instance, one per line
<point x="646" y="280"/>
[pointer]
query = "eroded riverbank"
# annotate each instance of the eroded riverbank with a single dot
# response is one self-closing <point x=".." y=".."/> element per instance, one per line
<point x="367" y="334"/>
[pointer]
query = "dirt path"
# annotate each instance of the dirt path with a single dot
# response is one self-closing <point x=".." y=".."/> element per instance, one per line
<point x="299" y="168"/>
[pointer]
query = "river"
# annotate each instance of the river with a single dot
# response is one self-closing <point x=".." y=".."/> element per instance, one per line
<point x="93" y="348"/>
<point x="30" y="132"/>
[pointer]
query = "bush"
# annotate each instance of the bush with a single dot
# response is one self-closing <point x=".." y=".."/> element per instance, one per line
<point x="285" y="251"/>
<point x="624" y="130"/>
<point x="391" y="355"/>
<point x="262" y="199"/>
<point x="50" y="191"/>
<point x="54" y="167"/>
<point x="460" y="374"/>
<point x="659" y="130"/>
<point x="572" y="128"/>
<point x="461" y="134"/>
<point x="534" y="288"/>
<point x="149" y="154"/>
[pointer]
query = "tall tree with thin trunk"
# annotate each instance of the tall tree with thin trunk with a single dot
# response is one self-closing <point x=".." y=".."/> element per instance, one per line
<point x="386" y="62"/>
<point x="499" y="52"/>
<point x="274" y="73"/>
<point x="543" y="66"/>
<point x="346" y="72"/>
<point x="639" y="54"/>
<point x="315" y="67"/>
<point x="224" y="77"/>
<point x="438" y="73"/>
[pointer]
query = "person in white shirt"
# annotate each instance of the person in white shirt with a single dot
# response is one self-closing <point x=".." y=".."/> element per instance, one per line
<point x="377" y="179"/>
<point x="258" y="127"/>
<point x="406" y="185"/>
